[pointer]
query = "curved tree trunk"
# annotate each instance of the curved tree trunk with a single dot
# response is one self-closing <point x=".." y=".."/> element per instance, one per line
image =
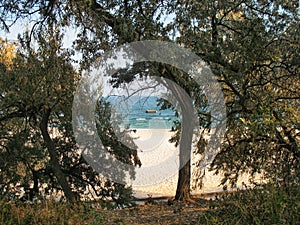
<point x="185" y="144"/>
<point x="54" y="162"/>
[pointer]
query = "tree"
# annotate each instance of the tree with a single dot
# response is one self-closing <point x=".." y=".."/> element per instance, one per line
<point x="184" y="90"/>
<point x="8" y="52"/>
<point x="30" y="100"/>
<point x="38" y="151"/>
<point x="134" y="21"/>
<point x="251" y="46"/>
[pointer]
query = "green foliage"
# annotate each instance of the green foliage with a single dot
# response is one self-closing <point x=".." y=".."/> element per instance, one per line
<point x="37" y="79"/>
<point x="121" y="146"/>
<point x="251" y="46"/>
<point x="262" y="205"/>
<point x="40" y="79"/>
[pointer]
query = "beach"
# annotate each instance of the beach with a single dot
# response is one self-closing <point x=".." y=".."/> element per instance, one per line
<point x="158" y="174"/>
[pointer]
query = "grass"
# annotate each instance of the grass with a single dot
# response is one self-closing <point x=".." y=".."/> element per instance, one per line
<point x="263" y="205"/>
<point x="266" y="205"/>
<point x="48" y="213"/>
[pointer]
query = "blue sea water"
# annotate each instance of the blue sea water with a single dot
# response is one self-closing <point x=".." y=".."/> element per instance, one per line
<point x="132" y="110"/>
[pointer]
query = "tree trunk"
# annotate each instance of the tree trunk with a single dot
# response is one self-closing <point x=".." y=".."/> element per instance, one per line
<point x="58" y="173"/>
<point x="184" y="176"/>
<point x="185" y="144"/>
<point x="35" y="189"/>
<point x="183" y="183"/>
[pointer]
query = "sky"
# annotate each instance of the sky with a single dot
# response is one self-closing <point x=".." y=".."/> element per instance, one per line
<point x="22" y="25"/>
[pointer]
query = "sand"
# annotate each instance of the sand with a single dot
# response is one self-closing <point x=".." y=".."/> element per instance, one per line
<point x="159" y="171"/>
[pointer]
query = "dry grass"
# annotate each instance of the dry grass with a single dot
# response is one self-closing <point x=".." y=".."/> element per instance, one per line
<point x="268" y="205"/>
<point x="48" y="213"/>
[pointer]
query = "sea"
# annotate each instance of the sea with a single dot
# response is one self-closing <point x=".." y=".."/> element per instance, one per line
<point x="132" y="112"/>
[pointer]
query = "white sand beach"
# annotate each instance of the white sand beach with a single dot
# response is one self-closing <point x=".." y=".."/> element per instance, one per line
<point x="159" y="171"/>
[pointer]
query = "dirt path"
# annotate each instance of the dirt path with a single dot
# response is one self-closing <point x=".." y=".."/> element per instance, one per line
<point x="158" y="213"/>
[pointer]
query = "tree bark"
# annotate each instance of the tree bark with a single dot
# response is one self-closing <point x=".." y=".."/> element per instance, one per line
<point x="184" y="177"/>
<point x="185" y="144"/>
<point x="183" y="184"/>
<point x="54" y="162"/>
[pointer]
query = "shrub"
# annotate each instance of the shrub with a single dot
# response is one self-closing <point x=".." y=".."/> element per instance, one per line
<point x="262" y="205"/>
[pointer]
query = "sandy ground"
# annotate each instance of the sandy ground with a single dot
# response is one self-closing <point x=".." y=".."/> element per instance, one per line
<point x="160" y="159"/>
<point x="158" y="174"/>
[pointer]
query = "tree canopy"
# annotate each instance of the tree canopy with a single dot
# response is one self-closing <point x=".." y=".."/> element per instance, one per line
<point x="251" y="46"/>
<point x="39" y="155"/>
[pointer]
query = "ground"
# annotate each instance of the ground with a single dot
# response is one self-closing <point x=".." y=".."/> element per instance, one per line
<point x="162" y="213"/>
